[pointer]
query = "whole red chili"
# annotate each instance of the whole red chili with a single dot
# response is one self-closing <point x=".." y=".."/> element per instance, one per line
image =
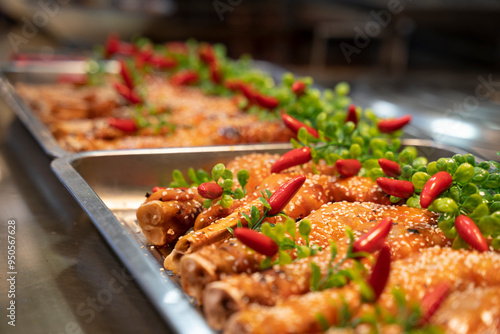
<point x="380" y="273"/>
<point x="432" y="300"/>
<point x="112" y="45"/>
<point x="390" y="168"/>
<point x="127" y="93"/>
<point x="207" y="54"/>
<point x="124" y="124"/>
<point x="232" y="84"/>
<point x="397" y="188"/>
<point x="210" y="190"/>
<point x="184" y="78"/>
<point x="126" y="74"/>
<point x="390" y="125"/>
<point x="280" y="198"/>
<point x="215" y="73"/>
<point x="373" y="240"/>
<point x="468" y="230"/>
<point x="292" y="158"/>
<point x="266" y="101"/>
<point x="352" y="116"/>
<point x="257" y="241"/>
<point x="162" y="62"/>
<point x="246" y="90"/>
<point x="347" y="167"/>
<point x="434" y="187"/>
<point x="295" y="125"/>
<point x="298" y="88"/>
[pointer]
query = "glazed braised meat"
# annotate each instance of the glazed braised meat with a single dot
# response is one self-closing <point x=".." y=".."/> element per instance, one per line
<point x="78" y="117"/>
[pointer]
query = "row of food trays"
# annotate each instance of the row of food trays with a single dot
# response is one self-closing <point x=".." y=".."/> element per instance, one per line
<point x="347" y="232"/>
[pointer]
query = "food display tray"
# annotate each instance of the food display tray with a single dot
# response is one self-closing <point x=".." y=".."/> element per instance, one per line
<point x="48" y="72"/>
<point x="111" y="185"/>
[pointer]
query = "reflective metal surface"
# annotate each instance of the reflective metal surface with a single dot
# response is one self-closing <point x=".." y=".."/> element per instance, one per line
<point x="68" y="280"/>
<point x="463" y="116"/>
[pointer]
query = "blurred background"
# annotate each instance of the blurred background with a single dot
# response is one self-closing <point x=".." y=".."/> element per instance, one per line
<point x="436" y="59"/>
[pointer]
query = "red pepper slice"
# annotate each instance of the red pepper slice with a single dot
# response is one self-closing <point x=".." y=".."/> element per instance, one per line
<point x="397" y="188"/>
<point x="373" y="240"/>
<point x="124" y="124"/>
<point x="284" y="194"/>
<point x="432" y="300"/>
<point x="210" y="190"/>
<point x="299" y="88"/>
<point x="434" y="187"/>
<point x="390" y="125"/>
<point x="380" y="273"/>
<point x="390" y="168"/>
<point x="468" y="230"/>
<point x="352" y="116"/>
<point x="292" y="158"/>
<point x="126" y="74"/>
<point x="295" y="125"/>
<point x="257" y="241"/>
<point x="184" y="78"/>
<point x="128" y="94"/>
<point x="347" y="167"/>
<point x="266" y="101"/>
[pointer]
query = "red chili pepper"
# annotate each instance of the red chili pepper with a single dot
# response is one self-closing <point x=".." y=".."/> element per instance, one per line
<point x="468" y="230"/>
<point x="434" y="187"/>
<point x="390" y="125"/>
<point x="257" y="241"/>
<point x="292" y="158"/>
<point x="284" y="194"/>
<point x="124" y="124"/>
<point x="246" y="90"/>
<point x="126" y="75"/>
<point x="112" y="45"/>
<point x="207" y="54"/>
<point x="142" y="57"/>
<point x="184" y="78"/>
<point x="352" y="116"/>
<point x="232" y="84"/>
<point x="390" y="168"/>
<point x="397" y="188"/>
<point x="347" y="167"/>
<point x="128" y="94"/>
<point x="162" y="62"/>
<point x="295" y="125"/>
<point x="157" y="188"/>
<point x="380" y="273"/>
<point x="299" y="88"/>
<point x="215" y="73"/>
<point x="266" y="101"/>
<point x="210" y="190"/>
<point x="373" y="240"/>
<point x="432" y="300"/>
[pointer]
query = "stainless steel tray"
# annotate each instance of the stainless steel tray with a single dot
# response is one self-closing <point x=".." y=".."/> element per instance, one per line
<point x="110" y="186"/>
<point x="47" y="72"/>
